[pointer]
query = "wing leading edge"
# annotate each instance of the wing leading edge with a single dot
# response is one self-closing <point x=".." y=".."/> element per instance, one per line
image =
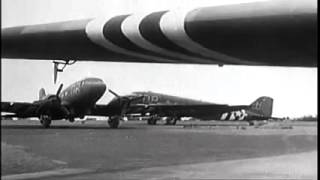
<point x="271" y="33"/>
<point x="20" y="109"/>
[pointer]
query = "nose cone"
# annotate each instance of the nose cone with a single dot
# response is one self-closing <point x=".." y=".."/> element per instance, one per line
<point x="95" y="87"/>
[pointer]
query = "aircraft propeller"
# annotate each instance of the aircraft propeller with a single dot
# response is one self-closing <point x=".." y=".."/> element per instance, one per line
<point x="59" y="89"/>
<point x="52" y="101"/>
<point x="58" y="92"/>
<point x="114" y="93"/>
<point x="124" y="97"/>
<point x="124" y="101"/>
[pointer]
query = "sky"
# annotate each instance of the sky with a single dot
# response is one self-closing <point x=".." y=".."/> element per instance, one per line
<point x="294" y="90"/>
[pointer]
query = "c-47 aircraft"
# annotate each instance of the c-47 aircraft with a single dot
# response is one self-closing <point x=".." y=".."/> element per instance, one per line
<point x="159" y="105"/>
<point x="77" y="100"/>
<point x="265" y="33"/>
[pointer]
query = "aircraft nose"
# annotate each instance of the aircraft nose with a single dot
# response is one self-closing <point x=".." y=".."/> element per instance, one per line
<point x="100" y="86"/>
<point x="96" y="86"/>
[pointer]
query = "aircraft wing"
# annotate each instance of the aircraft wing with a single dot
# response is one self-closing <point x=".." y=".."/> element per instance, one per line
<point x="105" y="110"/>
<point x="112" y="110"/>
<point x="271" y="33"/>
<point x="20" y="109"/>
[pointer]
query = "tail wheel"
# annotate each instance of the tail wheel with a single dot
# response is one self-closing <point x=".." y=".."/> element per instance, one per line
<point x="45" y="120"/>
<point x="251" y="123"/>
<point x="114" y="122"/>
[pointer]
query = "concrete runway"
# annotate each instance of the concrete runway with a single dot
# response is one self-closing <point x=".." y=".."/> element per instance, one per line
<point x="139" y="151"/>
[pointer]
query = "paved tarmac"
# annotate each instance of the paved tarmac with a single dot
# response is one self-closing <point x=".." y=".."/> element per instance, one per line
<point x="139" y="151"/>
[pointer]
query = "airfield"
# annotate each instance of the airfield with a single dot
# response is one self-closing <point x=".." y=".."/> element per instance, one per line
<point x="189" y="150"/>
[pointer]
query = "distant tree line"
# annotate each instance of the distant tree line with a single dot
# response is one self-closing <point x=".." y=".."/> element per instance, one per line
<point x="307" y="118"/>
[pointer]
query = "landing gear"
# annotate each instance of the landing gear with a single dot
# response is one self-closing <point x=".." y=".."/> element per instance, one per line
<point x="257" y="123"/>
<point x="152" y="120"/>
<point x="251" y="123"/>
<point x="114" y="122"/>
<point x="57" y="69"/>
<point x="171" y="121"/>
<point x="71" y="120"/>
<point x="45" y="120"/>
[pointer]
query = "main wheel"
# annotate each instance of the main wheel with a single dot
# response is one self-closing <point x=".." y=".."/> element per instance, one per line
<point x="174" y="121"/>
<point x="152" y="121"/>
<point x="45" y="120"/>
<point x="71" y="119"/>
<point x="251" y="123"/>
<point x="114" y="122"/>
<point x="171" y="121"/>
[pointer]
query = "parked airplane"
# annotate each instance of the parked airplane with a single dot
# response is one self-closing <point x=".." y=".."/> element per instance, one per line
<point x="174" y="108"/>
<point x="77" y="100"/>
<point x="267" y="33"/>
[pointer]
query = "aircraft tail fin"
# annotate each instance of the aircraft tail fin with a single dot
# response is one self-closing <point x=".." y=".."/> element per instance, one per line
<point x="262" y="106"/>
<point x="42" y="93"/>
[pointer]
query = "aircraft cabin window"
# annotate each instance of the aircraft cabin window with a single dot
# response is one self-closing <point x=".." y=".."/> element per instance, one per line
<point x="77" y="90"/>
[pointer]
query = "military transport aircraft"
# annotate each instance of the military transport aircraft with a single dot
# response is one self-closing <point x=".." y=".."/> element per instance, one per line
<point x="161" y="105"/>
<point x="77" y="100"/>
<point x="265" y="33"/>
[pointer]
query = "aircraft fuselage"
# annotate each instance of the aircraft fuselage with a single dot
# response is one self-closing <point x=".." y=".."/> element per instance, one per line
<point x="82" y="95"/>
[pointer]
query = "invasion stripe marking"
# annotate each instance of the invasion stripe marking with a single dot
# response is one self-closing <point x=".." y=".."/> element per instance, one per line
<point x="224" y="116"/>
<point x="112" y="30"/>
<point x="172" y="24"/>
<point x="150" y="29"/>
<point x="228" y="116"/>
<point x="94" y="31"/>
<point x="124" y="32"/>
<point x="130" y="27"/>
